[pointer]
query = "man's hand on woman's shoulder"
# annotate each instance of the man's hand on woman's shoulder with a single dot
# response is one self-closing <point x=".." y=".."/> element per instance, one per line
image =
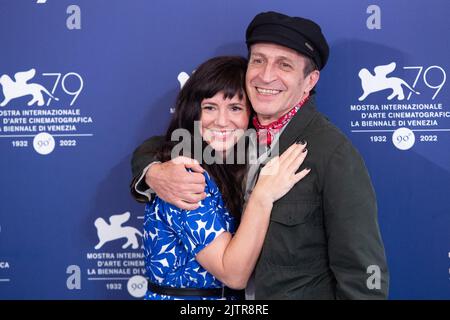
<point x="174" y="184"/>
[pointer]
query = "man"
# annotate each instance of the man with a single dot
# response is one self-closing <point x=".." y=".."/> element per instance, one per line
<point x="323" y="241"/>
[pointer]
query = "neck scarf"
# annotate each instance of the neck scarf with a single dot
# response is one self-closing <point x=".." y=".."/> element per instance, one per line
<point x="266" y="133"/>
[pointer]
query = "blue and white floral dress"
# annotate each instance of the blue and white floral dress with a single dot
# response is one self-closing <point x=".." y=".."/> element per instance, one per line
<point x="173" y="237"/>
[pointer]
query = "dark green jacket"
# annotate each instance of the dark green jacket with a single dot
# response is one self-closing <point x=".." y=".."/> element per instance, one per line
<point x="323" y="240"/>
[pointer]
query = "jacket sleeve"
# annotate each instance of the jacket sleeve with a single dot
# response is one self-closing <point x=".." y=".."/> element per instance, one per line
<point x="142" y="157"/>
<point x="355" y="248"/>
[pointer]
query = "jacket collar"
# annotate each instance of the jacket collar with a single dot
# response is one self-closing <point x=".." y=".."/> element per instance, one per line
<point x="295" y="128"/>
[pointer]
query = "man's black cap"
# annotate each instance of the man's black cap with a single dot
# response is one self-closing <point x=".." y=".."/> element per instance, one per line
<point x="300" y="34"/>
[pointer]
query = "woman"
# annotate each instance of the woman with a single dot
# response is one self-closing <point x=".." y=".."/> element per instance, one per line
<point x="199" y="254"/>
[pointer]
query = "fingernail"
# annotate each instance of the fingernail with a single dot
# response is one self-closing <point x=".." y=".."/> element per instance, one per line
<point x="300" y="141"/>
<point x="304" y="150"/>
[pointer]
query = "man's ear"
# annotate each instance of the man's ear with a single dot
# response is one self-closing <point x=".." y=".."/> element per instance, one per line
<point x="312" y="79"/>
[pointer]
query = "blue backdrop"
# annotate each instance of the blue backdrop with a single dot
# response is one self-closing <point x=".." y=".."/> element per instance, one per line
<point x="113" y="66"/>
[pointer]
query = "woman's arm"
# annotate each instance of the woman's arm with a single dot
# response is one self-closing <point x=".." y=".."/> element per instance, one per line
<point x="232" y="259"/>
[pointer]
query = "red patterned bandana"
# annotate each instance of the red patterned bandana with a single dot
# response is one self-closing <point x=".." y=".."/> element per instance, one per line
<point x="266" y="133"/>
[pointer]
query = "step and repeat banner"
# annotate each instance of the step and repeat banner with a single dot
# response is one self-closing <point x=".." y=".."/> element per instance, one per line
<point x="83" y="82"/>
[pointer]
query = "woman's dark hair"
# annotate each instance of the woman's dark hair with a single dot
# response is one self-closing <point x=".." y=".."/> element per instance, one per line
<point x="220" y="74"/>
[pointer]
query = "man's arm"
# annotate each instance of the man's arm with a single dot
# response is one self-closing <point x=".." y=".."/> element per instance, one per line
<point x="143" y="156"/>
<point x="169" y="180"/>
<point x="355" y="248"/>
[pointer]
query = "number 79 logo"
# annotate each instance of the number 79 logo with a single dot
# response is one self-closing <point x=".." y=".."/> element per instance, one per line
<point x="426" y="80"/>
<point x="63" y="79"/>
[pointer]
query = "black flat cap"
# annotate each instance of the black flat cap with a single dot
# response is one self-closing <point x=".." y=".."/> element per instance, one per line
<point x="300" y="34"/>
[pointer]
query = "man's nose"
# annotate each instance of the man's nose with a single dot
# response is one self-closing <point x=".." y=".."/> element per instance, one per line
<point x="268" y="73"/>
